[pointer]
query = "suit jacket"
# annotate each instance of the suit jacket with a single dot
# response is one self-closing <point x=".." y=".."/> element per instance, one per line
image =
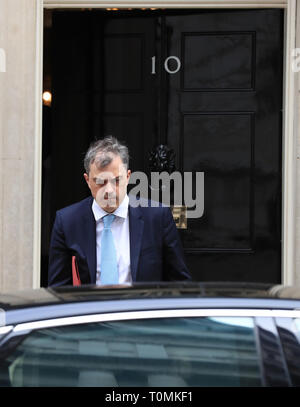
<point x="155" y="249"/>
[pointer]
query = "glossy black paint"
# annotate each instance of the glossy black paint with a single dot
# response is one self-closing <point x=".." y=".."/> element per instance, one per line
<point x="277" y="339"/>
<point x="48" y="303"/>
<point x="229" y="127"/>
<point x="143" y="291"/>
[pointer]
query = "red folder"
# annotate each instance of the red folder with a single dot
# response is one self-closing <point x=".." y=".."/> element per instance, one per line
<point x="75" y="272"/>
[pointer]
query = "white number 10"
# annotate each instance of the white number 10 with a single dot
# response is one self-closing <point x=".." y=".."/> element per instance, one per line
<point x="166" y="66"/>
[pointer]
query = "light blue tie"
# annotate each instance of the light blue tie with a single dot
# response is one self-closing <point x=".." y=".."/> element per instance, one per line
<point x="109" y="265"/>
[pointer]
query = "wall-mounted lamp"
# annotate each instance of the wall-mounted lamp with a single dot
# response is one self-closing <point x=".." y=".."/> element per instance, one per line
<point x="47" y="98"/>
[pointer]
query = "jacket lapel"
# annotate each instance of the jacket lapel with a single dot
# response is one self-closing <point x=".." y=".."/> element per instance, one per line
<point x="136" y="227"/>
<point x="88" y="239"/>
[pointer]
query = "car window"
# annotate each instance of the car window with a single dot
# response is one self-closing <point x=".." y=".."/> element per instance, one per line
<point x="288" y="330"/>
<point x="149" y="352"/>
<point x="297" y="325"/>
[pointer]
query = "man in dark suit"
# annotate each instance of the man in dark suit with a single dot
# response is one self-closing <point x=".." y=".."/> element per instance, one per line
<point x="142" y="242"/>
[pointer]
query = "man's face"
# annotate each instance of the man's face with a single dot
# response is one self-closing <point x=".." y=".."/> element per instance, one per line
<point x="108" y="185"/>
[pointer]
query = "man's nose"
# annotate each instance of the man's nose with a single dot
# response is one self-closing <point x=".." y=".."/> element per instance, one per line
<point x="110" y="187"/>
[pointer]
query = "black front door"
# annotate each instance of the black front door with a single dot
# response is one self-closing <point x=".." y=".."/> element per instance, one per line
<point x="229" y="99"/>
<point x="208" y="84"/>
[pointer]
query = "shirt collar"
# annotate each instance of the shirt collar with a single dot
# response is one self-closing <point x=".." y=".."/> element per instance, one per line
<point x="121" y="211"/>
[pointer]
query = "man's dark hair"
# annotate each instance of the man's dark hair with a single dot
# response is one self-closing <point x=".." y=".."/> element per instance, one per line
<point x="103" y="151"/>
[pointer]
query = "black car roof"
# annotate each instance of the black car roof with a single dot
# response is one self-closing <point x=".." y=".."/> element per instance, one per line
<point x="44" y="304"/>
<point x="67" y="294"/>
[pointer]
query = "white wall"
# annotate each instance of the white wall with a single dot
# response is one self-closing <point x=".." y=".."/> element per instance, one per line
<point x="17" y="143"/>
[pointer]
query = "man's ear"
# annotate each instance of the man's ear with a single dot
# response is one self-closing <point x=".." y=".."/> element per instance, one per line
<point x="128" y="175"/>
<point x="86" y="177"/>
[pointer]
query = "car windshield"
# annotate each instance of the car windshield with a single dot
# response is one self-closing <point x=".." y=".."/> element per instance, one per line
<point x="146" y="352"/>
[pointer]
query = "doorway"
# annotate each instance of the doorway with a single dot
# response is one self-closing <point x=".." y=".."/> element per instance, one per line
<point x="220" y="113"/>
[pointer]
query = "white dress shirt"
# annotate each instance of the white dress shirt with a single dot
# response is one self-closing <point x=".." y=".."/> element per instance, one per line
<point x="120" y="232"/>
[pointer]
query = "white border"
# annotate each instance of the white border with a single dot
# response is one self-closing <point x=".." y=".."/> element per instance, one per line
<point x="289" y="95"/>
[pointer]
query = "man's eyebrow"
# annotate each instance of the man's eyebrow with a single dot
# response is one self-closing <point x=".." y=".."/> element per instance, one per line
<point x="100" y="179"/>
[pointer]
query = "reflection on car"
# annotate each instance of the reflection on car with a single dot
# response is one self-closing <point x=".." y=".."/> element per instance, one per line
<point x="166" y="334"/>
